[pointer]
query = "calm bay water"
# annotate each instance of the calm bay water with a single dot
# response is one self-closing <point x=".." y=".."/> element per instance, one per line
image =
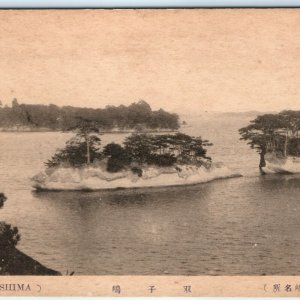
<point x="240" y="226"/>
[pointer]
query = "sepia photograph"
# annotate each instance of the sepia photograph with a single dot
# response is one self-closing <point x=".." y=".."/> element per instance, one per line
<point x="162" y="142"/>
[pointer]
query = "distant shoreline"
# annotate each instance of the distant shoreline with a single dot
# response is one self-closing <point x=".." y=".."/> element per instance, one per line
<point x="104" y="131"/>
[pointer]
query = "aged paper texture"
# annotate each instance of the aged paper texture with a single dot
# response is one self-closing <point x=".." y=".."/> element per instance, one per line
<point x="150" y="152"/>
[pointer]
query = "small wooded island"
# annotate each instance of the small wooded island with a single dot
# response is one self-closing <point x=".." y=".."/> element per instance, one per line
<point x="143" y="160"/>
<point x="276" y="138"/>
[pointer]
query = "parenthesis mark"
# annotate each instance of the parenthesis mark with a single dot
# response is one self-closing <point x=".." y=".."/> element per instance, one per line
<point x="40" y="288"/>
<point x="265" y="288"/>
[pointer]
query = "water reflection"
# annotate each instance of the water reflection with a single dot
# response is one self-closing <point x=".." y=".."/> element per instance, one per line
<point x="290" y="181"/>
<point x="123" y="197"/>
<point x="202" y="229"/>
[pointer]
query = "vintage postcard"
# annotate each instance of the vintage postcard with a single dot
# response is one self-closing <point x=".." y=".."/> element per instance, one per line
<point x="150" y="152"/>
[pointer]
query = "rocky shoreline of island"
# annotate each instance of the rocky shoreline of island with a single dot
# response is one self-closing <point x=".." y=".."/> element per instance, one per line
<point x="94" y="178"/>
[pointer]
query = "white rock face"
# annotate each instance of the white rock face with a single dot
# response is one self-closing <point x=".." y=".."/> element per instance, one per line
<point x="286" y="165"/>
<point x="92" y="178"/>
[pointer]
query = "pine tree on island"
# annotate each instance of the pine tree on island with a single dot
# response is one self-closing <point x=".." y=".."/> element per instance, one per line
<point x="276" y="134"/>
<point x="138" y="149"/>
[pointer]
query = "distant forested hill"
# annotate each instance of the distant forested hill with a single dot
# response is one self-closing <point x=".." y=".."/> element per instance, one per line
<point x="51" y="117"/>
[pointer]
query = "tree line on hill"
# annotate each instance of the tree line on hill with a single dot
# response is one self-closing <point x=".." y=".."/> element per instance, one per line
<point x="137" y="116"/>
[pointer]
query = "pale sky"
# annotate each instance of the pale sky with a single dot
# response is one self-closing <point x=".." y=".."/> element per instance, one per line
<point x="185" y="61"/>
